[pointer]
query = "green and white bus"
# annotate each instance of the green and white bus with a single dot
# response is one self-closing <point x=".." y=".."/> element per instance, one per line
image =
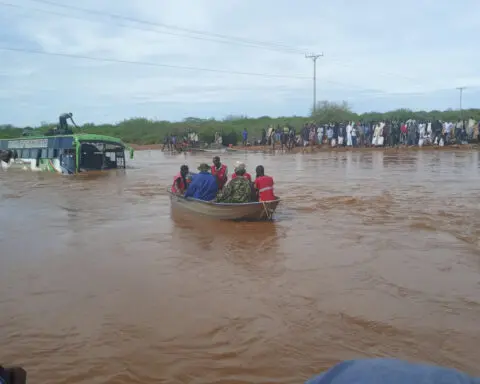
<point x="65" y="154"/>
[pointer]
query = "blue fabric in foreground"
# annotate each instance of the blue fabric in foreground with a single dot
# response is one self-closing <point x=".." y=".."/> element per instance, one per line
<point x="203" y="187"/>
<point x="390" y="371"/>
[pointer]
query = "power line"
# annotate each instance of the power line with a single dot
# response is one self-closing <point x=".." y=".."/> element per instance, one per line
<point x="118" y="61"/>
<point x="232" y="39"/>
<point x="243" y="42"/>
<point x="74" y="56"/>
<point x="248" y="45"/>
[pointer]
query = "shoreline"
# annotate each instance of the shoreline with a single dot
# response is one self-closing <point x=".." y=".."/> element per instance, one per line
<point x="324" y="148"/>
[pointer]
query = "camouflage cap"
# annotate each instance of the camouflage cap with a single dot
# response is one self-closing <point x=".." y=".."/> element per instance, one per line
<point x="240" y="166"/>
<point x="203" y="167"/>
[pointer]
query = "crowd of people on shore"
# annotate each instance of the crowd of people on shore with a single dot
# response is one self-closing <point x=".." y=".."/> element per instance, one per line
<point x="380" y="134"/>
<point x="212" y="183"/>
<point x="348" y="134"/>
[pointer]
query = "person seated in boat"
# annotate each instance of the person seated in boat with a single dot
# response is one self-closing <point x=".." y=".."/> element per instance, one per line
<point x="181" y="180"/>
<point x="264" y="185"/>
<point x="241" y="165"/>
<point x="203" y="185"/>
<point x="238" y="190"/>
<point x="220" y="171"/>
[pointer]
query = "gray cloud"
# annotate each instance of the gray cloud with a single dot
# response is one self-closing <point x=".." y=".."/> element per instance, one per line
<point x="377" y="54"/>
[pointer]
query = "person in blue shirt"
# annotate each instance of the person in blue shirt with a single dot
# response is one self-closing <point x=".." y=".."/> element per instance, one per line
<point x="204" y="185"/>
<point x="244" y="137"/>
<point x="390" y="371"/>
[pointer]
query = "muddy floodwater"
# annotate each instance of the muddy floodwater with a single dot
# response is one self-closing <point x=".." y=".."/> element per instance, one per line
<point x="371" y="254"/>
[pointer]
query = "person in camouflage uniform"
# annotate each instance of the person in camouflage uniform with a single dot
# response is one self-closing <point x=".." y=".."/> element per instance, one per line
<point x="238" y="190"/>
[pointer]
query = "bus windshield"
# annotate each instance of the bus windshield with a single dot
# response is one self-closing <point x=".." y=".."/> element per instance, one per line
<point x="97" y="155"/>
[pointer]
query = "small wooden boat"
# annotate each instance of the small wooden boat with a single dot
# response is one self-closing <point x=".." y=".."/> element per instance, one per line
<point x="225" y="211"/>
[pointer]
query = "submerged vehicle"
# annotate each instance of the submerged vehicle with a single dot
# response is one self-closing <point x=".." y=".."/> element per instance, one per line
<point x="225" y="211"/>
<point x="65" y="154"/>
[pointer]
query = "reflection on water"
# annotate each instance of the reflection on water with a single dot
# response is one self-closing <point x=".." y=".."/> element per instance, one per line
<point x="371" y="254"/>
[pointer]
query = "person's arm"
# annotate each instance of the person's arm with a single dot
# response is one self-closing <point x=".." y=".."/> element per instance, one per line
<point x="255" y="187"/>
<point x="224" y="194"/>
<point x="253" y="192"/>
<point x="177" y="182"/>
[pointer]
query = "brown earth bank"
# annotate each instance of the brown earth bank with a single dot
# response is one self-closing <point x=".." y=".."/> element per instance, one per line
<point x="325" y="148"/>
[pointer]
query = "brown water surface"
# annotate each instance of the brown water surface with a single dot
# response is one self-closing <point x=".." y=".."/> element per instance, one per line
<point x="371" y="254"/>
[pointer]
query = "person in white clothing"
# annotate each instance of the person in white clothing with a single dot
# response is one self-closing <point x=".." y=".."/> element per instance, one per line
<point x="349" y="135"/>
<point x="354" y="136"/>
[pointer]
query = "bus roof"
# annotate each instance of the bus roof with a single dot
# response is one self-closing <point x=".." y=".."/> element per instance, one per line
<point x="75" y="137"/>
<point x="93" y="137"/>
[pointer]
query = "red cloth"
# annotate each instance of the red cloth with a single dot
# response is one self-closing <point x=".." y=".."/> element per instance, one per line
<point x="182" y="185"/>
<point x="246" y="175"/>
<point x="220" y="175"/>
<point x="264" y="185"/>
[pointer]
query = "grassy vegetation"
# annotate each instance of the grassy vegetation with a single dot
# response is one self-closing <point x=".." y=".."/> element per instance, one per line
<point x="144" y="131"/>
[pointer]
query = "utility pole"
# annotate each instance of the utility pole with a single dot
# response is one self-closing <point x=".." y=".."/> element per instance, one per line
<point x="461" y="95"/>
<point x="314" y="57"/>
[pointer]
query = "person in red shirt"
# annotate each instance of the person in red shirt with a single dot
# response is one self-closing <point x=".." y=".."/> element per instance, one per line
<point x="220" y="171"/>
<point x="241" y="166"/>
<point x="181" y="180"/>
<point x="264" y="185"/>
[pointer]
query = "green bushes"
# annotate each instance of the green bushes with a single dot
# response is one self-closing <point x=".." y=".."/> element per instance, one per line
<point x="143" y="131"/>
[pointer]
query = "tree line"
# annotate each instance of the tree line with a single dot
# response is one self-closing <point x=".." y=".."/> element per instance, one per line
<point x="144" y="131"/>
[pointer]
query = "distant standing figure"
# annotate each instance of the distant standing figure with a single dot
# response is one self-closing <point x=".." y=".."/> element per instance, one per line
<point x="264" y="137"/>
<point x="349" y="135"/>
<point x="166" y="142"/>
<point x="270" y="135"/>
<point x="264" y="185"/>
<point x="244" y="137"/>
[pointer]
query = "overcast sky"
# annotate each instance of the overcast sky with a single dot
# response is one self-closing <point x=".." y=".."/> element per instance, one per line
<point x="379" y="55"/>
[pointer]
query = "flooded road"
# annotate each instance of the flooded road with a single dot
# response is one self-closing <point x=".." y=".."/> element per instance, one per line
<point x="371" y="254"/>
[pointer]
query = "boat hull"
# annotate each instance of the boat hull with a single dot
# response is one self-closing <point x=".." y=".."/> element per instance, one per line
<point x="223" y="211"/>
